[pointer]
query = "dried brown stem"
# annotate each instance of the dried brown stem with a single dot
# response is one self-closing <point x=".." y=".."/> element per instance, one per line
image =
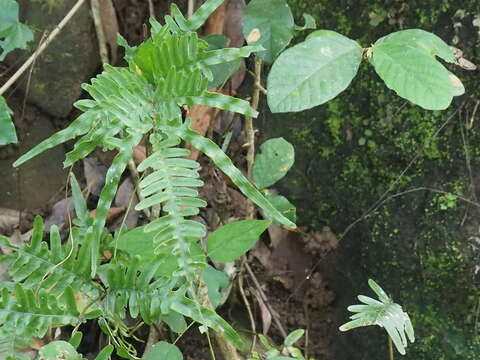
<point x="97" y="20"/>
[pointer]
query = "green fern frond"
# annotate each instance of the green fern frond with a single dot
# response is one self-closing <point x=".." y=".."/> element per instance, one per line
<point x="172" y="184"/>
<point x="133" y="286"/>
<point x="31" y="315"/>
<point x="54" y="268"/>
<point x="12" y="344"/>
<point x="220" y="159"/>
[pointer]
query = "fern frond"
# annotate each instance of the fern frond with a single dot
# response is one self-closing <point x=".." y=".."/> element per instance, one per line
<point x="172" y="184"/>
<point x="11" y="344"/>
<point x="133" y="286"/>
<point x="219" y="101"/>
<point x="199" y="17"/>
<point x="220" y="159"/>
<point x="31" y="316"/>
<point x="53" y="268"/>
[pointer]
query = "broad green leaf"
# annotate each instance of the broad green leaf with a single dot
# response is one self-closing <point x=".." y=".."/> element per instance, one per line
<point x="231" y="241"/>
<point x="164" y="351"/>
<point x="312" y="72"/>
<point x="268" y="23"/>
<point x="217" y="281"/>
<point x="422" y="39"/>
<point x="175" y="322"/>
<point x="14" y="34"/>
<point x="76" y="339"/>
<point x="406" y="62"/>
<point x="276" y="157"/>
<point x="7" y="129"/>
<point x="282" y="204"/>
<point x="384" y="313"/>
<point x="221" y="72"/>
<point x="59" y="350"/>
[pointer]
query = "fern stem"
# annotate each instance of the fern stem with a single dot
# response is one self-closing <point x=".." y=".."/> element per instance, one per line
<point x="390" y="348"/>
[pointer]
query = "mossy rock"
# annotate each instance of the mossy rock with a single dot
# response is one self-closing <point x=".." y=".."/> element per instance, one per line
<point x="71" y="58"/>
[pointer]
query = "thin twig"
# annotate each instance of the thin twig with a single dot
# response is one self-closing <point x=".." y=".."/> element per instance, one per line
<point x="264" y="297"/>
<point x="97" y="20"/>
<point x="42" y="47"/>
<point x="249" y="311"/>
<point x="380" y="200"/>
<point x="250" y="132"/>
<point x="153" y="337"/>
<point x="151" y="9"/>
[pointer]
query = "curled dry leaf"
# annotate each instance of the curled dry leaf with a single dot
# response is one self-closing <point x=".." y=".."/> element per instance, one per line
<point x="110" y="27"/>
<point x="94" y="175"/>
<point x="60" y="213"/>
<point x="265" y="313"/>
<point x="127" y="199"/>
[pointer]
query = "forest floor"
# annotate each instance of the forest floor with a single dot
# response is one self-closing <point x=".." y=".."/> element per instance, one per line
<point x="286" y="286"/>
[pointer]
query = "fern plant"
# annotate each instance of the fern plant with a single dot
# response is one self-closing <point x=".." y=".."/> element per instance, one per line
<point x="58" y="284"/>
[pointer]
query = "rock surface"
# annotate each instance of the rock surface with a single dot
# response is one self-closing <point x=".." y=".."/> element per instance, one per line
<point x="71" y="59"/>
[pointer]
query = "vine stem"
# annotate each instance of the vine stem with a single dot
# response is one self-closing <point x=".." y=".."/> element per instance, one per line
<point x="42" y="47"/>
<point x="97" y="20"/>
<point x="250" y="131"/>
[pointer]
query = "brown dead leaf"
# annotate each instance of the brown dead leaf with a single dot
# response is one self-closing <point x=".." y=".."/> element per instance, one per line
<point x="110" y="27"/>
<point x="94" y="175"/>
<point x="265" y="313"/>
<point x="233" y="28"/>
<point x="60" y="213"/>
<point x="201" y="117"/>
<point x="127" y="198"/>
<point x="216" y="21"/>
<point x="139" y="154"/>
<point x="113" y="213"/>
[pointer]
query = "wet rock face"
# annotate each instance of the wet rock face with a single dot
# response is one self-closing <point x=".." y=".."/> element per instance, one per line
<point x="32" y="185"/>
<point x="71" y="59"/>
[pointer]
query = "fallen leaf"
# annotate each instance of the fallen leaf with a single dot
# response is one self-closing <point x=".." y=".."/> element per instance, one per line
<point x="265" y="313"/>
<point x="216" y="21"/>
<point x="60" y="213"/>
<point x="201" y="117"/>
<point x="127" y="198"/>
<point x="139" y="154"/>
<point x="233" y="22"/>
<point x="113" y="213"/>
<point x="94" y="175"/>
<point x="110" y="27"/>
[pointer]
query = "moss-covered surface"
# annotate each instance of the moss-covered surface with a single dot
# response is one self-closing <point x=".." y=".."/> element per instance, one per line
<point x="420" y="246"/>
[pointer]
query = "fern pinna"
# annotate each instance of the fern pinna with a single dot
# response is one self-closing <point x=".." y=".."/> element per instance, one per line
<point x="143" y="100"/>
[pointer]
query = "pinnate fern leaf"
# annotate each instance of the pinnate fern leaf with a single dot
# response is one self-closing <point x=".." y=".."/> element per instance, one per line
<point x="31" y="314"/>
<point x="384" y="313"/>
<point x="55" y="267"/>
<point x="220" y="159"/>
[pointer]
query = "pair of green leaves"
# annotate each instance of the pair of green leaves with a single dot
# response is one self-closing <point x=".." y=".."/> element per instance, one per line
<point x="318" y="69"/>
